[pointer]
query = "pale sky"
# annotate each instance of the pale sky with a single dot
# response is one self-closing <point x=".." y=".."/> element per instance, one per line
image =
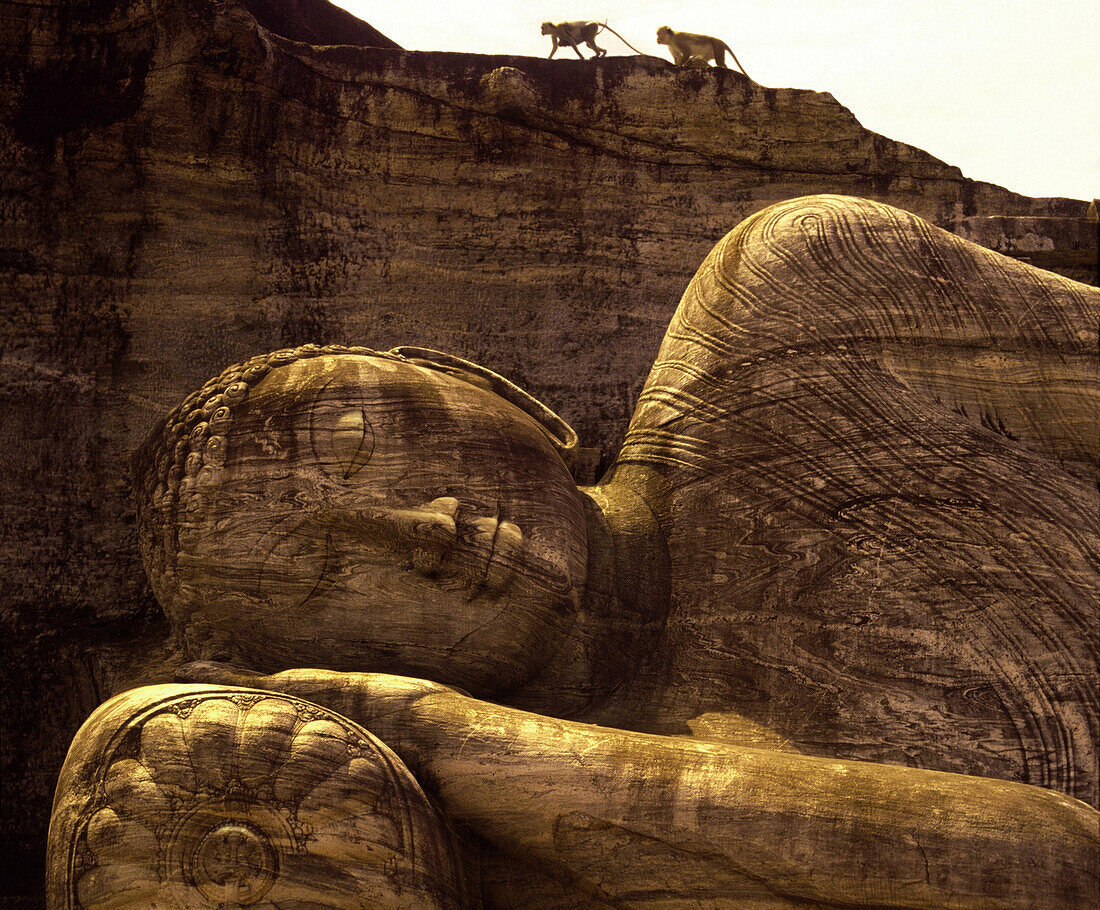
<point x="1006" y="90"/>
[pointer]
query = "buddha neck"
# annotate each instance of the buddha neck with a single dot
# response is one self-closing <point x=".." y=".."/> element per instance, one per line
<point x="622" y="611"/>
<point x="627" y="554"/>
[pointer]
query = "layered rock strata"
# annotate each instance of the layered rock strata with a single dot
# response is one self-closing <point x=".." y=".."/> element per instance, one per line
<point x="182" y="187"/>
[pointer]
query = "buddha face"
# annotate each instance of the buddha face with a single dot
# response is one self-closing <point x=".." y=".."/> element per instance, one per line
<point x="365" y="513"/>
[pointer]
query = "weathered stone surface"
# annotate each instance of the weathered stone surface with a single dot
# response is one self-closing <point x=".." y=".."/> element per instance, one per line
<point x="182" y="187"/>
<point x="315" y="22"/>
<point x="272" y="801"/>
<point x="847" y="551"/>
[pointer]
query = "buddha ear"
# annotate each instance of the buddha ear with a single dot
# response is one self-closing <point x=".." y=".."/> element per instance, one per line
<point x="559" y="432"/>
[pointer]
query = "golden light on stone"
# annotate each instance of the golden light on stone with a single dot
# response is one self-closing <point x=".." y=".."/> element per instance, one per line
<point x="822" y="636"/>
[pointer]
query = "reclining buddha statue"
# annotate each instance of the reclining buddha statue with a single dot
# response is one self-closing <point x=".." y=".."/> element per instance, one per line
<point x="824" y="635"/>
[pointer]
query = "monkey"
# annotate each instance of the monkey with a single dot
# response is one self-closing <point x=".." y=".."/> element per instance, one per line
<point x="694" y="50"/>
<point x="573" y="33"/>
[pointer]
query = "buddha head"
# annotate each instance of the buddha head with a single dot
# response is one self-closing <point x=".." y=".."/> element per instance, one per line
<point x="404" y="512"/>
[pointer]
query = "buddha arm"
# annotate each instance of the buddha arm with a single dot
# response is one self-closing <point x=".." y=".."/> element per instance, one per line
<point x="624" y="814"/>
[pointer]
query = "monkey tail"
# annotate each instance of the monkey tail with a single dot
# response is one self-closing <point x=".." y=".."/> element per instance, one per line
<point x="628" y="44"/>
<point x="738" y="62"/>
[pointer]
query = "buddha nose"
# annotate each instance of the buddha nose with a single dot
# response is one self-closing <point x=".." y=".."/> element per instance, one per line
<point x="491" y="547"/>
<point x="426" y="532"/>
<point x="433" y="530"/>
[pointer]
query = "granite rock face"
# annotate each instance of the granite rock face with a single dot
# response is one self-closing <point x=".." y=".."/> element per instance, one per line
<point x="183" y="187"/>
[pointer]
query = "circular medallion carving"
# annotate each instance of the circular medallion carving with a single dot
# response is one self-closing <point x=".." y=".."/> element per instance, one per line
<point x="233" y="799"/>
<point x="234" y="862"/>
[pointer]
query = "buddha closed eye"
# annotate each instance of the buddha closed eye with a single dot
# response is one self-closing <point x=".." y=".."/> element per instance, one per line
<point x="341" y="436"/>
